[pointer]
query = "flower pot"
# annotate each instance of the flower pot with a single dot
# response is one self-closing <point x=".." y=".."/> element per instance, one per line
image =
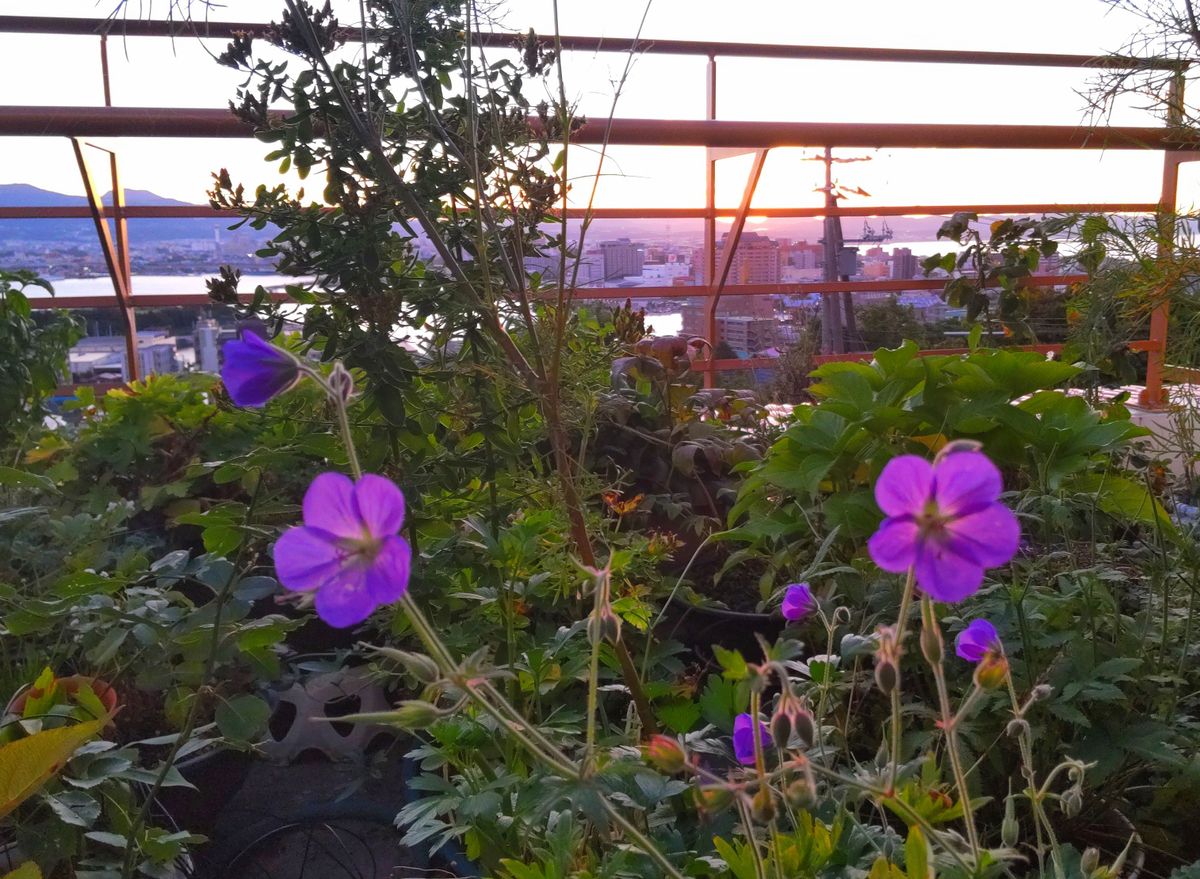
<point x="105" y="691"/>
<point x="216" y="775"/>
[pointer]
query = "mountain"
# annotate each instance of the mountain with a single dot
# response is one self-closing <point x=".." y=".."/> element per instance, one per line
<point x="140" y="230"/>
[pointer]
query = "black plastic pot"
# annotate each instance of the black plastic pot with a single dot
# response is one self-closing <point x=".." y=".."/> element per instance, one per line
<point x="217" y="775"/>
<point x="700" y="627"/>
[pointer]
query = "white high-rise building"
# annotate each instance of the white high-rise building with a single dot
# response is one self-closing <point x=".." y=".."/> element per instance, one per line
<point x="208" y="345"/>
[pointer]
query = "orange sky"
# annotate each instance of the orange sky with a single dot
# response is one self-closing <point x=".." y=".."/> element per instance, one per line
<point x="155" y="72"/>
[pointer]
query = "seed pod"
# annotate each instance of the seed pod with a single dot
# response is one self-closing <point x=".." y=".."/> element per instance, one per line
<point x="713" y="798"/>
<point x="1088" y="862"/>
<point x="665" y="754"/>
<point x="1041" y="692"/>
<point x="802" y="791"/>
<point x="604" y="625"/>
<point x="931" y="645"/>
<point x="762" y="807"/>
<point x="992" y="671"/>
<point x="1010" y="828"/>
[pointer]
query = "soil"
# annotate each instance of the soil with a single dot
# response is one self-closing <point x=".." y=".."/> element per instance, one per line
<point x="736" y="590"/>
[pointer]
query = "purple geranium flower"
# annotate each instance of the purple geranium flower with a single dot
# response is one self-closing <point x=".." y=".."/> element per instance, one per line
<point x="977" y="640"/>
<point x="347" y="550"/>
<point x="254" y="370"/>
<point x="743" y="739"/>
<point x="798" y="602"/>
<point x="944" y="520"/>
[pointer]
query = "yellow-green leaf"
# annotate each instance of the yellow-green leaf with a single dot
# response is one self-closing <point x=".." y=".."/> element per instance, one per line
<point x="28" y="763"/>
<point x="917" y="862"/>
<point x="28" y="870"/>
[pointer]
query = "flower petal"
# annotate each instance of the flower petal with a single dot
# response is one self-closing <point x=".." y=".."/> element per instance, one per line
<point x="798" y="602"/>
<point x="945" y="574"/>
<point x="974" y="642"/>
<point x="894" y="546"/>
<point x="743" y="739"/>
<point x="905" y="486"/>
<point x="345" y="600"/>
<point x="379" y="505"/>
<point x="254" y="370"/>
<point x="990" y="536"/>
<point x="329" y="504"/>
<point x="387" y="577"/>
<point x="307" y="558"/>
<point x="965" y="482"/>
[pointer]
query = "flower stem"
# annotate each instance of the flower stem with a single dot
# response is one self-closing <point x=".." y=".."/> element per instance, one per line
<point x="949" y="727"/>
<point x="493" y="703"/>
<point x="901" y="625"/>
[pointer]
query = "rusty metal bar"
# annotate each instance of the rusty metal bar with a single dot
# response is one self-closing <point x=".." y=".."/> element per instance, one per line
<point x="113" y="260"/>
<point x="226" y="29"/>
<point x="136" y="212"/>
<point x="35" y="121"/>
<point x="732" y="238"/>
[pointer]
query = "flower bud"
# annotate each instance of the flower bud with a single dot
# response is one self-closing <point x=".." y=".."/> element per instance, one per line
<point x="1010" y="828"/>
<point x="992" y="671"/>
<point x="665" y="754"/>
<point x="887" y="676"/>
<point x="887" y="661"/>
<point x="1017" y="727"/>
<point x="931" y="645"/>
<point x="341" y="383"/>
<point x="415" y="714"/>
<point x="805" y="726"/>
<point x="1041" y="692"/>
<point x="762" y="807"/>
<point x="1072" y="802"/>
<point x="604" y="625"/>
<point x="1088" y="862"/>
<point x="418" y="665"/>
<point x="713" y="798"/>
<point x="781" y="727"/>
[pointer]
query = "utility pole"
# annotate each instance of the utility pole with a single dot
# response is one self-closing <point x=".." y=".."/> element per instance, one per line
<point x="837" y="312"/>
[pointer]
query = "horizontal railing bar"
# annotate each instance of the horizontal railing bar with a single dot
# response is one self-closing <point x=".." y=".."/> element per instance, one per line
<point x="698" y="291"/>
<point x="137" y="212"/>
<point x="134" y="27"/>
<point x="38" y="121"/>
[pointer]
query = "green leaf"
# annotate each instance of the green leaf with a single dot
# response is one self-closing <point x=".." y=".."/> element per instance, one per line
<point x="12" y="477"/>
<point x="680" y="715"/>
<point x="242" y="718"/>
<point x="732" y="663"/>
<point x="28" y="870"/>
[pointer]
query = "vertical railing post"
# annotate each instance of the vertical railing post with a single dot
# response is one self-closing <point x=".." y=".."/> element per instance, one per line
<point x="710" y="218"/>
<point x="1155" y="396"/>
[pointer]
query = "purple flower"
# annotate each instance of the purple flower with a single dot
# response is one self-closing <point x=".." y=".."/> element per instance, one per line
<point x="347" y="550"/>
<point x="944" y="520"/>
<point x="798" y="602"/>
<point x="254" y="370"/>
<point x="977" y="640"/>
<point x="743" y="739"/>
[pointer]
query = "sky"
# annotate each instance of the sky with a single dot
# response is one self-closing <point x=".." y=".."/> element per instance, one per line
<point x="182" y="73"/>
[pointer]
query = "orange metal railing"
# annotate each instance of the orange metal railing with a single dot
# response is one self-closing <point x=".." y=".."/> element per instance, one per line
<point x="721" y="138"/>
